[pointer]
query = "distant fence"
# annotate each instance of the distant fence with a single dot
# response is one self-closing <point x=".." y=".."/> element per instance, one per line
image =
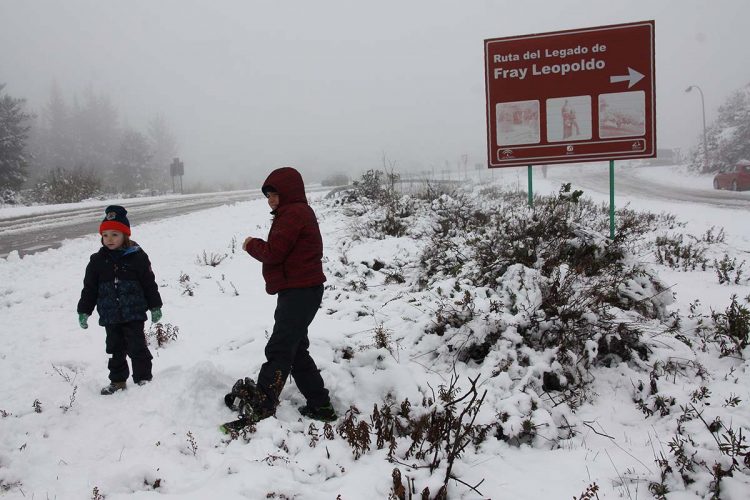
<point x="411" y="183"/>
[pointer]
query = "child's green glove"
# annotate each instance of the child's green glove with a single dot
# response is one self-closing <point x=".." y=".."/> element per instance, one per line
<point x="83" y="319"/>
<point x="155" y="314"/>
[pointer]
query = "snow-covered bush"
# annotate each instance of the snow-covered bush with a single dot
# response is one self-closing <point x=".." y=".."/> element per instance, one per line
<point x="381" y="209"/>
<point x="536" y="304"/>
<point x="731" y="328"/>
<point x="435" y="433"/>
<point x="67" y="186"/>
<point x="212" y="259"/>
<point x="10" y="197"/>
<point x="728" y="270"/>
<point x="704" y="448"/>
<point x="674" y="251"/>
<point x="162" y="334"/>
<point x="727" y="330"/>
<point x="550" y="277"/>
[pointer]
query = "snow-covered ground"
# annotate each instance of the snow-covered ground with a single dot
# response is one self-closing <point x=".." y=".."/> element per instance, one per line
<point x="10" y="211"/>
<point x="674" y="175"/>
<point x="60" y="439"/>
<point x="669" y="176"/>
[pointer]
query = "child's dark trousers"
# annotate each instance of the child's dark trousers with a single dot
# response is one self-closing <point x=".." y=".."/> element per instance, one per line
<point x="128" y="339"/>
<point x="287" y="350"/>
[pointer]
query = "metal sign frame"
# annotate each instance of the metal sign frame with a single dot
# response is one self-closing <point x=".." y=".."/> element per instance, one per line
<point x="571" y="96"/>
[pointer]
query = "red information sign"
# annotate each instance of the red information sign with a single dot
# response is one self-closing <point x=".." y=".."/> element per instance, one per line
<point x="571" y="96"/>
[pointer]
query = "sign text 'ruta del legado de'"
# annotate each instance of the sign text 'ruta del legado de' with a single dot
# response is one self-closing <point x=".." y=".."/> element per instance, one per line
<point x="571" y="96"/>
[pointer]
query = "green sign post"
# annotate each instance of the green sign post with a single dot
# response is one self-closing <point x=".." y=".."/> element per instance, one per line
<point x="611" y="199"/>
<point x="531" y="188"/>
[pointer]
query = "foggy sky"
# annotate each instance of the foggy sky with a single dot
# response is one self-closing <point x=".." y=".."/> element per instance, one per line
<point x="247" y="85"/>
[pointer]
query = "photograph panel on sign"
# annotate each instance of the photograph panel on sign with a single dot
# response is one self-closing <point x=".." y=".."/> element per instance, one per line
<point x="517" y="122"/>
<point x="569" y="118"/>
<point x="622" y="114"/>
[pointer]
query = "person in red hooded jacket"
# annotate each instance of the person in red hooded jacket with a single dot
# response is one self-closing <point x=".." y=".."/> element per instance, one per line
<point x="293" y="270"/>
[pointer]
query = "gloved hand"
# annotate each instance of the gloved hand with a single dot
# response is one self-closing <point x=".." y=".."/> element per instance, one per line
<point x="246" y="242"/>
<point x="155" y="314"/>
<point x="83" y="319"/>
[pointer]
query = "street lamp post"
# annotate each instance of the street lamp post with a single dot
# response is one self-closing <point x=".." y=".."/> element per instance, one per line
<point x="705" y="142"/>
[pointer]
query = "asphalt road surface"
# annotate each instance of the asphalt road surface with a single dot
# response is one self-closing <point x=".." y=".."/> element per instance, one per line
<point x="30" y="234"/>
<point x="628" y="183"/>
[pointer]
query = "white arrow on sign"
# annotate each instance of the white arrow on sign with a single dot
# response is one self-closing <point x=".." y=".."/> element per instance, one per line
<point x="633" y="77"/>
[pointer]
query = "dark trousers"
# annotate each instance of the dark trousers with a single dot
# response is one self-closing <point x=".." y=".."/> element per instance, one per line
<point x="287" y="350"/>
<point x="128" y="339"/>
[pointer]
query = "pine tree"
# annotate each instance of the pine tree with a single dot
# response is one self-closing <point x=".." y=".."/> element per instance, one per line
<point x="59" y="151"/>
<point x="729" y="136"/>
<point x="95" y="123"/>
<point x="14" y="132"/>
<point x="131" y="170"/>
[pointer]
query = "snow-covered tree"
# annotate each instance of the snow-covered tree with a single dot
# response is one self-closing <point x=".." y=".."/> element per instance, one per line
<point x="97" y="132"/>
<point x="57" y="131"/>
<point x="14" y="132"/>
<point x="728" y="137"/>
<point x="82" y="134"/>
<point x="131" y="171"/>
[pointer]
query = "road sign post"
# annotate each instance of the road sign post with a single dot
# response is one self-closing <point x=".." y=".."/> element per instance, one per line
<point x="611" y="199"/>
<point x="177" y="168"/>
<point x="571" y="96"/>
<point x="531" y="186"/>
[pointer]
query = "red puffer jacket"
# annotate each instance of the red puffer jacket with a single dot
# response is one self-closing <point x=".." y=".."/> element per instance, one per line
<point x="292" y="255"/>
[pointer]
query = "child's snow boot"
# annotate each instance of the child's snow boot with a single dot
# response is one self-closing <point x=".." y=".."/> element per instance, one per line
<point x="235" y="426"/>
<point x="248" y="416"/>
<point x="244" y="398"/>
<point x="243" y="393"/>
<point x="113" y="387"/>
<point x="324" y="413"/>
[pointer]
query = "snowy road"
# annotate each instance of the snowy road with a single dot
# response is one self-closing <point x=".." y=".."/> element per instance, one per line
<point x="33" y="233"/>
<point x="636" y="182"/>
<point x="30" y="233"/>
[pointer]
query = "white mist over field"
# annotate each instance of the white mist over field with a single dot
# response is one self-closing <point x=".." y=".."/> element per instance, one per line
<point x="334" y="86"/>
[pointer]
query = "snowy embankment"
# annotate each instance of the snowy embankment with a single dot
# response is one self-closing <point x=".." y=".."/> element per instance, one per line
<point x="60" y="439"/>
<point x="12" y="211"/>
<point x="674" y="176"/>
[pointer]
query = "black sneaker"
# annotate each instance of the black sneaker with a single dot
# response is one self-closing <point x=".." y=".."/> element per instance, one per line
<point x="113" y="387"/>
<point x="324" y="413"/>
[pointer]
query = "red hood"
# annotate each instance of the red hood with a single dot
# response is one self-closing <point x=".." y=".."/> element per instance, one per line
<point x="288" y="183"/>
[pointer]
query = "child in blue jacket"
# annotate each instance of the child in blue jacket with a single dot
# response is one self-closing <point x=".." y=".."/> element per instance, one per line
<point x="120" y="283"/>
